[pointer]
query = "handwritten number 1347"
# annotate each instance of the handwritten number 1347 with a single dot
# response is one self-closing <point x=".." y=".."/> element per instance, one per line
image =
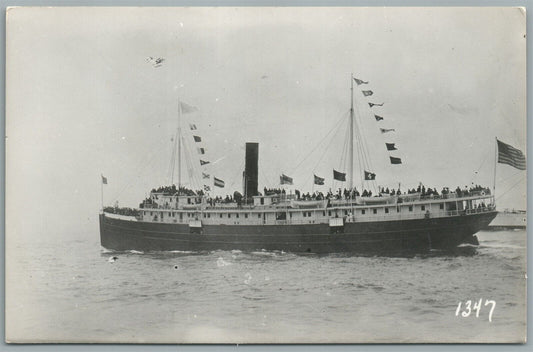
<point x="470" y="306"/>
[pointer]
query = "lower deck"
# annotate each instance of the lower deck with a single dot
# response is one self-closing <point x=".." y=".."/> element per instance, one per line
<point x="336" y="236"/>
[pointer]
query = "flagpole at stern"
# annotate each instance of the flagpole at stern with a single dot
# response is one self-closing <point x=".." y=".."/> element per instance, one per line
<point x="102" y="190"/>
<point x="495" y="163"/>
<point x="350" y="180"/>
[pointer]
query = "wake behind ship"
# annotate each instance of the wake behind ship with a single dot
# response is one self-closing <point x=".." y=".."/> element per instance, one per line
<point x="345" y="220"/>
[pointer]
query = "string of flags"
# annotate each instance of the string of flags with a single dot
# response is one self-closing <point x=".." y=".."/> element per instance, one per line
<point x="318" y="180"/>
<point x="389" y="146"/>
<point x="339" y="176"/>
<point x="217" y="182"/>
<point x="369" y="176"/>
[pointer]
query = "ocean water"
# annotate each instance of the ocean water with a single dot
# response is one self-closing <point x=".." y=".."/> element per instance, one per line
<point x="73" y="291"/>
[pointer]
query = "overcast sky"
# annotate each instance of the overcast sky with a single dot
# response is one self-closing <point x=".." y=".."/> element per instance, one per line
<point x="83" y="100"/>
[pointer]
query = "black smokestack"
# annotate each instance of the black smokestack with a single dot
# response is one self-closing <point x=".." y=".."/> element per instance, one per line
<point x="251" y="170"/>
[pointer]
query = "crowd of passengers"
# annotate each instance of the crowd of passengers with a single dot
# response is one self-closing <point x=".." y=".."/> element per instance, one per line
<point x="237" y="197"/>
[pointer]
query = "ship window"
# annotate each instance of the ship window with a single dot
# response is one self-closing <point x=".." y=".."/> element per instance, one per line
<point x="205" y="215"/>
<point x="259" y="215"/>
<point x="329" y="212"/>
<point x="262" y="201"/>
<point x="305" y="214"/>
<point x="290" y="215"/>
<point x="246" y="215"/>
<point x="151" y="213"/>
<point x="410" y="208"/>
<point x="423" y="207"/>
<point x="229" y="215"/>
<point x="324" y="213"/>
<point x="237" y="215"/>
<point x="346" y="212"/>
<point x="386" y="210"/>
<point x="208" y="215"/>
<point x="309" y="214"/>
<point x="181" y="216"/>
<point x="441" y="206"/>
<point x="375" y="211"/>
<point x="221" y="215"/>
<point x="363" y="211"/>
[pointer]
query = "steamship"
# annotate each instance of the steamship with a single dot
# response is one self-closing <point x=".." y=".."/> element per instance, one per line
<point x="284" y="221"/>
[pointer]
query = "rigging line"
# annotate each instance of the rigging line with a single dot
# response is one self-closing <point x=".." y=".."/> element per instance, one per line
<point x="324" y="153"/>
<point x="363" y="138"/>
<point x="513" y="175"/>
<point x="268" y="182"/>
<point x="148" y="161"/>
<point x="483" y="162"/>
<point x="344" y="157"/>
<point x="172" y="163"/>
<point x="342" y="162"/>
<point x="359" y="162"/>
<point x="128" y="184"/>
<point x="241" y="167"/>
<point x="335" y="127"/>
<point x="363" y="144"/>
<point x="191" y="170"/>
<point x="509" y="189"/>
<point x="197" y="171"/>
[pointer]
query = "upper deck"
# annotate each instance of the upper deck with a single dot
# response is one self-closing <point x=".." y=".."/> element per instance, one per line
<point x="286" y="209"/>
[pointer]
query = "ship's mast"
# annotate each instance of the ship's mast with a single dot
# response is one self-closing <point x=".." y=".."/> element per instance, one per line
<point x="177" y="144"/>
<point x="350" y="175"/>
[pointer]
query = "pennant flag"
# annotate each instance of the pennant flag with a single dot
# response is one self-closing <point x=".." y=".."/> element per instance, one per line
<point x="374" y="104"/>
<point x="201" y="151"/>
<point x="285" y="180"/>
<point x="104" y="180"/>
<point x="394" y="160"/>
<point x="391" y="146"/>
<point x="204" y="175"/>
<point x="186" y="108"/>
<point x="369" y="175"/>
<point x="318" y="180"/>
<point x="192" y="126"/>
<point x="511" y="156"/>
<point x="359" y="81"/>
<point x="204" y="162"/>
<point x="385" y="130"/>
<point x="378" y="118"/>
<point x="207" y="188"/>
<point x="367" y="93"/>
<point x="218" y="182"/>
<point x="197" y="138"/>
<point x="339" y="176"/>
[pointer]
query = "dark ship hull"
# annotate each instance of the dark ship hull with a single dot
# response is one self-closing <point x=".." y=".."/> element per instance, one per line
<point x="355" y="237"/>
